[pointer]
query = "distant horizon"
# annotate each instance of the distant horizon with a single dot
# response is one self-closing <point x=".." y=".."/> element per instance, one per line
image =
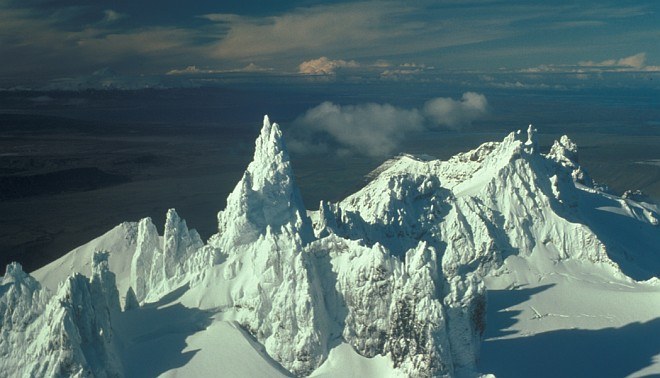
<point x="514" y="44"/>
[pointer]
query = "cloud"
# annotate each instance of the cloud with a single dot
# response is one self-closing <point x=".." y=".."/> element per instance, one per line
<point x="324" y="66"/>
<point x="377" y="129"/>
<point x="633" y="63"/>
<point x="43" y="40"/>
<point x="361" y="30"/>
<point x="370" y="129"/>
<point x="456" y="113"/>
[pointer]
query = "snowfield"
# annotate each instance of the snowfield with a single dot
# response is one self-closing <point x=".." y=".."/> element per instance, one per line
<point x="500" y="260"/>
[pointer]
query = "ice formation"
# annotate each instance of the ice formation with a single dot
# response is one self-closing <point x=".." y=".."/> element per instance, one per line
<point x="159" y="264"/>
<point x="394" y="270"/>
<point x="69" y="334"/>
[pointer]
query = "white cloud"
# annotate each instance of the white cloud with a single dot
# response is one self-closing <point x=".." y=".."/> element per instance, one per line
<point x="370" y="129"/>
<point x="456" y="113"/>
<point x="634" y="61"/>
<point x="631" y="63"/>
<point x="324" y="66"/>
<point x="377" y="129"/>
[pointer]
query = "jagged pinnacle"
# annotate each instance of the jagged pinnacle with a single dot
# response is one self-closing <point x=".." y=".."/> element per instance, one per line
<point x="267" y="194"/>
<point x="531" y="145"/>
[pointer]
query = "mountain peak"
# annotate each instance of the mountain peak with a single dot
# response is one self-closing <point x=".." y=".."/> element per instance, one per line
<point x="267" y="195"/>
<point x="271" y="157"/>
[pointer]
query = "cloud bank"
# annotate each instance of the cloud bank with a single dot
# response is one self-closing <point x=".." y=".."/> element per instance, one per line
<point x="633" y="63"/>
<point x="377" y="129"/>
<point x="324" y="66"/>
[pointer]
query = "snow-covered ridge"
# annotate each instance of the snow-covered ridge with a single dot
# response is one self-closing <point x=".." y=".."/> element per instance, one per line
<point x="394" y="271"/>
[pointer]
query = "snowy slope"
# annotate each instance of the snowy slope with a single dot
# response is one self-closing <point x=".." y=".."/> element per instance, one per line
<point x="120" y="240"/>
<point x="403" y="278"/>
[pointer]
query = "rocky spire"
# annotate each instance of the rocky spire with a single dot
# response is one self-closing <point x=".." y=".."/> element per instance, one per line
<point x="531" y="145"/>
<point x="266" y="196"/>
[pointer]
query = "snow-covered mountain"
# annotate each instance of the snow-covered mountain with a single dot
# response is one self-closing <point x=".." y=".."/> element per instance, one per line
<point x="406" y="277"/>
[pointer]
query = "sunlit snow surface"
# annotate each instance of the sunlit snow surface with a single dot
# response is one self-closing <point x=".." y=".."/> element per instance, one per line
<point x="388" y="282"/>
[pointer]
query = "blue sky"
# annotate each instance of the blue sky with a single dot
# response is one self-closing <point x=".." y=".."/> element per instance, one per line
<point x="50" y="41"/>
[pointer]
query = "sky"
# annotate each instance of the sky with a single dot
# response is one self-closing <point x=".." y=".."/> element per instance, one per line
<point x="51" y="43"/>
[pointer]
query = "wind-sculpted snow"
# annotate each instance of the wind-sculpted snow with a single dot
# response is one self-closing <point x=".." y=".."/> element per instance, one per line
<point x="395" y="271"/>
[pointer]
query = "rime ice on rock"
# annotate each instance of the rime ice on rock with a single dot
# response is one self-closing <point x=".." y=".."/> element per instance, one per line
<point x="266" y="196"/>
<point x="531" y="145"/>
<point x="565" y="152"/>
<point x="418" y="341"/>
<point x="263" y="231"/>
<point x="71" y="334"/>
<point x="159" y="264"/>
<point x="393" y="270"/>
<point x="20" y="300"/>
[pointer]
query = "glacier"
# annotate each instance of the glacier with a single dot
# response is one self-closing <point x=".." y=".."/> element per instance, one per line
<point x="402" y="278"/>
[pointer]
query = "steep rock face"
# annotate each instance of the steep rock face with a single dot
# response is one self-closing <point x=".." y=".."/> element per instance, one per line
<point x="358" y="283"/>
<point x="418" y="341"/>
<point x="72" y="336"/>
<point x="385" y="306"/>
<point x="159" y="265"/>
<point x="465" y="311"/>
